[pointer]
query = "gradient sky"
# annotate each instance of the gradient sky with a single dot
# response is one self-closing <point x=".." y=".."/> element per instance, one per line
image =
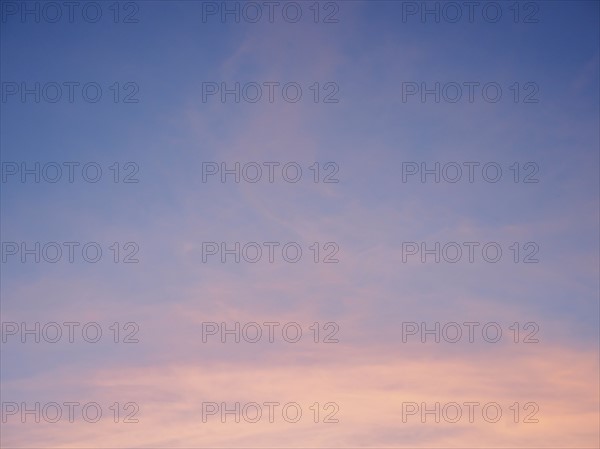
<point x="369" y="133"/>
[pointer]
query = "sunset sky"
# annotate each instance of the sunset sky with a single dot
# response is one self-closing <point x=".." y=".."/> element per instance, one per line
<point x="375" y="118"/>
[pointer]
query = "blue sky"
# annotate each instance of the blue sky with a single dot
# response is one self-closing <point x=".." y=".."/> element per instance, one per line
<point x="369" y="134"/>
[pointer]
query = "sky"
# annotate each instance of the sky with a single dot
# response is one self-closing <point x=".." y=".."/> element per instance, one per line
<point x="299" y="224"/>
